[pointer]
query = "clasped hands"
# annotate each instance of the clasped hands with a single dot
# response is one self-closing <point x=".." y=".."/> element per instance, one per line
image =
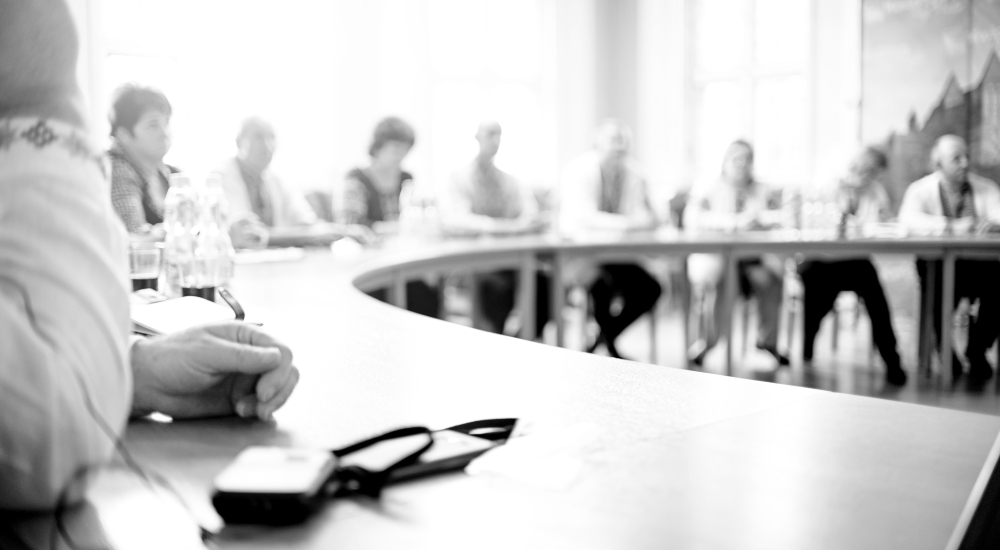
<point x="212" y="370"/>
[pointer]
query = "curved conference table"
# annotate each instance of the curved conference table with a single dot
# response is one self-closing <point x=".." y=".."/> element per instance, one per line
<point x="624" y="455"/>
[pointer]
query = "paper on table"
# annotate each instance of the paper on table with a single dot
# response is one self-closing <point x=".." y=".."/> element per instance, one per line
<point x="268" y="255"/>
<point x="174" y="315"/>
<point x="549" y="458"/>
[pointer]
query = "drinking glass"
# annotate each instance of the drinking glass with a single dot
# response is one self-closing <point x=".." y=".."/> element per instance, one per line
<point x="144" y="263"/>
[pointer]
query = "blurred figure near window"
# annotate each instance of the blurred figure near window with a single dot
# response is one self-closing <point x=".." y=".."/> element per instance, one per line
<point x="140" y="132"/>
<point x="953" y="200"/>
<point x="862" y="199"/>
<point x="735" y="202"/>
<point x="605" y="190"/>
<point x="370" y="196"/>
<point x="258" y="200"/>
<point x="483" y="199"/>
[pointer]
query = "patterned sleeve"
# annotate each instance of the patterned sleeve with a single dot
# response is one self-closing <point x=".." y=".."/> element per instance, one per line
<point x="353" y="207"/>
<point x="126" y="197"/>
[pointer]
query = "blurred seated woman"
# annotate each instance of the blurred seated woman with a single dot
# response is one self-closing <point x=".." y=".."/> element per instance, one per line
<point x="735" y="202"/>
<point x="140" y="138"/>
<point x="370" y="197"/>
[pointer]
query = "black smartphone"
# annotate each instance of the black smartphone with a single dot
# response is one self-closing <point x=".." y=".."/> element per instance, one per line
<point x="273" y="485"/>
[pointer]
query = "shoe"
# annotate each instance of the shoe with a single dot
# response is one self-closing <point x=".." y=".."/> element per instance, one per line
<point x="979" y="368"/>
<point x="597" y="342"/>
<point x="895" y="376"/>
<point x="957" y="368"/>
<point x="697" y="352"/>
<point x="782" y="360"/>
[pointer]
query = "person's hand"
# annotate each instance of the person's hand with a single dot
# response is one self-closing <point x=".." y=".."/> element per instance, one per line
<point x="248" y="233"/>
<point x="212" y="370"/>
<point x="988" y="226"/>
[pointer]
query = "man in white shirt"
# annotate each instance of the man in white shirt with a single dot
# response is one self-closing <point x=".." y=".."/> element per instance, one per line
<point x="69" y="378"/>
<point x="604" y="190"/>
<point x="953" y="200"/>
<point x="258" y="200"/>
<point x="483" y="199"/>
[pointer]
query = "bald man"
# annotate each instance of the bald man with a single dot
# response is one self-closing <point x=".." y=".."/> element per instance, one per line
<point x="604" y="190"/>
<point x="258" y="200"/>
<point x="69" y="375"/>
<point x="483" y="199"/>
<point x="954" y="200"/>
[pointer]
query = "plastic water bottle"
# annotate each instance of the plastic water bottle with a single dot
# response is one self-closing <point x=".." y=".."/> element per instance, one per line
<point x="198" y="253"/>
<point x="215" y="248"/>
<point x="181" y="219"/>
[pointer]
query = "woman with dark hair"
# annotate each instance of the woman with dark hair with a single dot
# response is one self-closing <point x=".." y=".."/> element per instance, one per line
<point x="371" y="193"/>
<point x="140" y="131"/>
<point x="370" y="196"/>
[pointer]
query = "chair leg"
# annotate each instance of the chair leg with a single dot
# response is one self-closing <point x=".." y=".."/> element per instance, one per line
<point x="746" y="325"/>
<point x="835" y="336"/>
<point x="652" y="336"/>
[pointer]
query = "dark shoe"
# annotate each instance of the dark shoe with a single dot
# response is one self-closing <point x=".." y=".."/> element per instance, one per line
<point x="782" y="360"/>
<point x="895" y="376"/>
<point x="597" y="342"/>
<point x="697" y="352"/>
<point x="957" y="368"/>
<point x="979" y="368"/>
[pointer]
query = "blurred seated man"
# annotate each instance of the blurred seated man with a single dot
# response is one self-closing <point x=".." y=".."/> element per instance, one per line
<point x="862" y="199"/>
<point x="140" y="136"/>
<point x="736" y="201"/>
<point x="954" y="200"/>
<point x="483" y="199"/>
<point x="604" y="190"/>
<point x="258" y="200"/>
<point x="370" y="196"/>
<point x="69" y="376"/>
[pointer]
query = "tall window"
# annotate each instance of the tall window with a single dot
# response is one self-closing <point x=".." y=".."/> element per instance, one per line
<point x="751" y="80"/>
<point x="486" y="62"/>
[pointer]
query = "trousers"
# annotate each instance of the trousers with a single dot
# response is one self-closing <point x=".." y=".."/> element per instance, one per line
<point x="824" y="280"/>
<point x="421" y="298"/>
<point x="496" y="298"/>
<point x="637" y="289"/>
<point x="754" y="277"/>
<point x="974" y="279"/>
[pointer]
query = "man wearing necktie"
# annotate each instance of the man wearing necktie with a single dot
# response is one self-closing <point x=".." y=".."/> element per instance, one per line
<point x="258" y="200"/>
<point x="953" y="200"/>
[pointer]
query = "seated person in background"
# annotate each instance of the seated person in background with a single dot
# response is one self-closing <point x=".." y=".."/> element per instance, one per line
<point x="140" y="132"/>
<point x="370" y="196"/>
<point x="258" y="200"/>
<point x="735" y="202"/>
<point x="953" y="199"/>
<point x="605" y="190"/>
<point x="861" y="198"/>
<point x="69" y="375"/>
<point x="484" y="199"/>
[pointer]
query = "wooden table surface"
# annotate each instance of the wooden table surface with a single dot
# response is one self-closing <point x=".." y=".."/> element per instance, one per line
<point x="660" y="457"/>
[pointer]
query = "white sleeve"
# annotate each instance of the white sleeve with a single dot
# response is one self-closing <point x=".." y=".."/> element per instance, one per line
<point x="913" y="214"/>
<point x="64" y="323"/>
